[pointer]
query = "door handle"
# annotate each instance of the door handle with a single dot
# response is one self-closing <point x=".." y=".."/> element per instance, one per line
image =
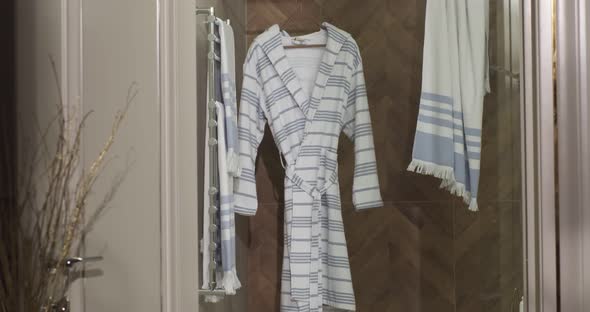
<point x="73" y="261"/>
<point x="63" y="304"/>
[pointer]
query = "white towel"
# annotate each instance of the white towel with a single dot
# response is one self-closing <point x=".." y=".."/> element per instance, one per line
<point x="227" y="278"/>
<point x="230" y="281"/>
<point x="447" y="144"/>
<point x="206" y="235"/>
<point x="228" y="88"/>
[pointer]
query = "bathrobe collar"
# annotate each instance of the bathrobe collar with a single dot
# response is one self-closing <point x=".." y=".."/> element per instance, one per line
<point x="271" y="43"/>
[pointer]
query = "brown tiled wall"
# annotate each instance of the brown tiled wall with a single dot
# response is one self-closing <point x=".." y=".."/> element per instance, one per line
<point x="423" y="251"/>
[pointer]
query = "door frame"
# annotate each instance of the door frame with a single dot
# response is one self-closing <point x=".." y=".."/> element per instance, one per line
<point x="178" y="124"/>
<point x="179" y="183"/>
<point x="71" y="83"/>
<point x="573" y="149"/>
<point x="538" y="157"/>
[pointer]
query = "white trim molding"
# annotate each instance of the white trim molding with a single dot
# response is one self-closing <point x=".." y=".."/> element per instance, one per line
<point x="179" y="183"/>
<point x="71" y="82"/>
<point x="573" y="113"/>
<point x="539" y="180"/>
<point x="168" y="165"/>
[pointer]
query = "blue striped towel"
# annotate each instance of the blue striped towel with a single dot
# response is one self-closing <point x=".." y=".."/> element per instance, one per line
<point x="230" y="281"/>
<point x="227" y="157"/>
<point x="226" y="106"/>
<point x="228" y="88"/>
<point x="455" y="80"/>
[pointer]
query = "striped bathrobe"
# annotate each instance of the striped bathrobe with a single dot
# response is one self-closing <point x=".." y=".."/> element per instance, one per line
<point x="316" y="269"/>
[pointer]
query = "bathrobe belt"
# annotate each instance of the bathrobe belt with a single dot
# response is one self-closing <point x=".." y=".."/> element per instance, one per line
<point x="316" y="193"/>
<point x="308" y="188"/>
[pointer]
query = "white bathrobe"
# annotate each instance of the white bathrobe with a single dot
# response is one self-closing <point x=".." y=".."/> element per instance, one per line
<point x="306" y="120"/>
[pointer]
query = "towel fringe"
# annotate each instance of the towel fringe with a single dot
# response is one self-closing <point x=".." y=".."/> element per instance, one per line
<point x="473" y="205"/>
<point x="458" y="189"/>
<point x="447" y="175"/>
<point x="213" y="298"/>
<point x="423" y="167"/>
<point x="231" y="282"/>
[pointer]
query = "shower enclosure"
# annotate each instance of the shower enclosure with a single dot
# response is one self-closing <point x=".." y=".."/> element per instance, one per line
<point x="423" y="250"/>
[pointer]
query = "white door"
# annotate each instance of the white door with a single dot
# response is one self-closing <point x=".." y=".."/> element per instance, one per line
<point x="119" y="48"/>
<point x="147" y="235"/>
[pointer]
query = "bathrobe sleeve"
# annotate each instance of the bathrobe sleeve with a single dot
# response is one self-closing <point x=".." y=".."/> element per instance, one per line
<point x="251" y="123"/>
<point x="357" y="126"/>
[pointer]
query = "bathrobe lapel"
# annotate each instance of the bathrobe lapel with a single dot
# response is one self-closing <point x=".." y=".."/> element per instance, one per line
<point x="273" y="48"/>
<point x="275" y="52"/>
<point x="333" y="46"/>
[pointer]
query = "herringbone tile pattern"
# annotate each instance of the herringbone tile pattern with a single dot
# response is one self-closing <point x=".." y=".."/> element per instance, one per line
<point x="423" y="251"/>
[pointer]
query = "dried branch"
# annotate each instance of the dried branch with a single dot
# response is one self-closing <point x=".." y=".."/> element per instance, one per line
<point x="47" y="229"/>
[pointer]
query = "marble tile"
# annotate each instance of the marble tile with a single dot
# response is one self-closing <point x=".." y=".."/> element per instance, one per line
<point x="270" y="174"/>
<point x="263" y="13"/>
<point x="500" y="161"/>
<point x="402" y="257"/>
<point x="265" y="252"/>
<point x="500" y="173"/>
<point x="488" y="258"/>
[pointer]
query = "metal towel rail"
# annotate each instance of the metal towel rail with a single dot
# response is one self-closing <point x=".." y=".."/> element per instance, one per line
<point x="212" y="141"/>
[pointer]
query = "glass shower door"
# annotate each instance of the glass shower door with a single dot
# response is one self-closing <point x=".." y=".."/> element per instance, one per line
<point x="424" y="250"/>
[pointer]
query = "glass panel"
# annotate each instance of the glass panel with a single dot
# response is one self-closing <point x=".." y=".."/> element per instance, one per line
<point x="235" y="12"/>
<point x="424" y="250"/>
